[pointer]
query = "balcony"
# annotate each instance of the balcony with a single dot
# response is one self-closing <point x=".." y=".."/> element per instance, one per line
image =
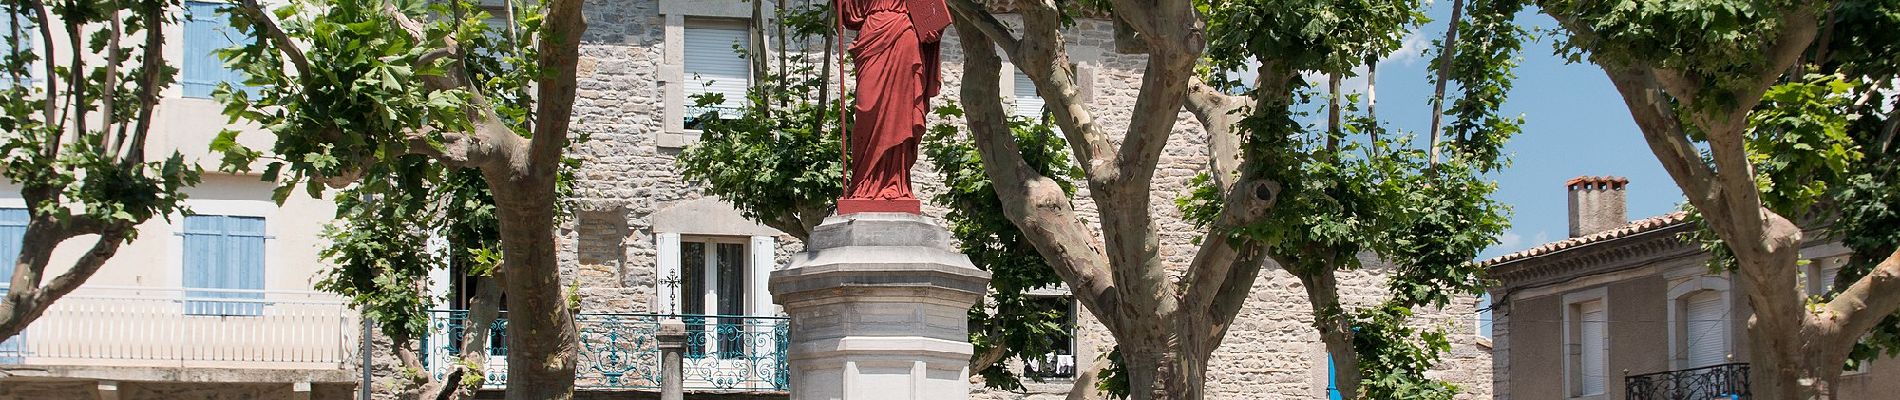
<point x="1724" y="382"/>
<point x="129" y="327"/>
<point x="620" y="351"/>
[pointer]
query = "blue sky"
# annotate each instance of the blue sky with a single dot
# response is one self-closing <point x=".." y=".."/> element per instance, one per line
<point x="1575" y="124"/>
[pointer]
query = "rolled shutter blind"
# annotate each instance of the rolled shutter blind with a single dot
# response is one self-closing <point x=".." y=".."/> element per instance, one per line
<point x="1028" y="104"/>
<point x="1594" y="350"/>
<point x="1707" y="343"/>
<point x="713" y="66"/>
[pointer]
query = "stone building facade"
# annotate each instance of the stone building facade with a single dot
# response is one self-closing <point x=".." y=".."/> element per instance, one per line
<point x="1623" y="309"/>
<point x="635" y="216"/>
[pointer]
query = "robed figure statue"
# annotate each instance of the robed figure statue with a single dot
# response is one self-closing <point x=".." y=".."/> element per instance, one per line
<point x="896" y="54"/>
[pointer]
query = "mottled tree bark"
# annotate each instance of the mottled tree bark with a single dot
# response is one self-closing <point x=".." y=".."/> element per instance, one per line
<point x="1166" y="329"/>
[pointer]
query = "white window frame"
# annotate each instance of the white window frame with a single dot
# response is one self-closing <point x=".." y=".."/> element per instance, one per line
<point x="1572" y="346"/>
<point x="760" y="259"/>
<point x="1680" y="290"/>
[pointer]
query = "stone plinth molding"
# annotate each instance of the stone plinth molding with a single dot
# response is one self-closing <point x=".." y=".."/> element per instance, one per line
<point x="879" y="306"/>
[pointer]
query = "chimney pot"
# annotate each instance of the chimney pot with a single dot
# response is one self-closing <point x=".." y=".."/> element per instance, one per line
<point x="1597" y="204"/>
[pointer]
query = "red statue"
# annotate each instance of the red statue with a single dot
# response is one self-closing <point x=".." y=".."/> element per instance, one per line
<point x="896" y="55"/>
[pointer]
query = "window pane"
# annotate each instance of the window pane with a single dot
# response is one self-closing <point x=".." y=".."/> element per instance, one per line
<point x="693" y="296"/>
<point x="1059" y="362"/>
<point x="1593" y="338"/>
<point x="692" y="278"/>
<point x="731" y="260"/>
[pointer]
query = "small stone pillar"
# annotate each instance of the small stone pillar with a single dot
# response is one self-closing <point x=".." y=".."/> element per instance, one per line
<point x="879" y="304"/>
<point x="672" y="338"/>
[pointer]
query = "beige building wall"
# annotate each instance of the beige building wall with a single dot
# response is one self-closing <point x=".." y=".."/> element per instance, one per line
<point x="126" y="333"/>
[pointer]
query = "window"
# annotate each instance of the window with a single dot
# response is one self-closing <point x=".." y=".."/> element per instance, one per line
<point x="12" y="232"/>
<point x="224" y="255"/>
<point x="1588" y="343"/>
<point x="714" y="65"/>
<point x="1028" y="103"/>
<point x="1484" y="320"/>
<point x="207" y="31"/>
<point x="1059" y="363"/>
<point x="712" y="283"/>
<point x="1704" y="329"/>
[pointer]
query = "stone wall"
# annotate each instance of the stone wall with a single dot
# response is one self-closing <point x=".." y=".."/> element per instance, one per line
<point x="608" y="249"/>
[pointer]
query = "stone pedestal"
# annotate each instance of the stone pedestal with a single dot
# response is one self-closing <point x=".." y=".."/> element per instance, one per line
<point x="879" y="305"/>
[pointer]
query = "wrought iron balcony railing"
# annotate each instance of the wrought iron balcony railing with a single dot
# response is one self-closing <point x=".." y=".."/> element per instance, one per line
<point x="621" y="351"/>
<point x="1715" y="382"/>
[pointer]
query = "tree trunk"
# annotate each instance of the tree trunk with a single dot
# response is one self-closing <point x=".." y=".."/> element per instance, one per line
<point x="1166" y="373"/>
<point x="1329" y="318"/>
<point x="542" y="341"/>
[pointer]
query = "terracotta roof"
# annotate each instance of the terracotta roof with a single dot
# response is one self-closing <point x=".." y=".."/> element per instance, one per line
<point x="1634" y="228"/>
<point x="1600" y="182"/>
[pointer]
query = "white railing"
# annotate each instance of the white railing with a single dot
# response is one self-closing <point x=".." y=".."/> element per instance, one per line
<point x="142" y="326"/>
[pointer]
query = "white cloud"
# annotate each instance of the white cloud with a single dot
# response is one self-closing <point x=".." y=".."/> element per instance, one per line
<point x="1411" y="51"/>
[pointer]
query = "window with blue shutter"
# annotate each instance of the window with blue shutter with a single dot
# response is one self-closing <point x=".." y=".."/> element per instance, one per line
<point x="206" y="31"/>
<point x="12" y="231"/>
<point x="1332" y="380"/>
<point x="225" y="256"/>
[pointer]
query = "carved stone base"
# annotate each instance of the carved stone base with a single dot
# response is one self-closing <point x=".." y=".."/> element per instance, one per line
<point x="879" y="305"/>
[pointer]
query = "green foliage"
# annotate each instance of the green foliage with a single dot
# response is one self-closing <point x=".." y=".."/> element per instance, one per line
<point x="1010" y="319"/>
<point x="1482" y="65"/>
<point x="1330" y="36"/>
<point x="353" y="116"/>
<point x="1344" y="196"/>
<point x="1113" y="381"/>
<point x="74" y="159"/>
<point x="1395" y="356"/>
<point x="780" y="155"/>
<point x="1722" y="42"/>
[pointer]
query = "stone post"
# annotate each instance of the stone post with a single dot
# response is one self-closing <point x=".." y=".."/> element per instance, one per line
<point x="879" y="308"/>
<point x="672" y="339"/>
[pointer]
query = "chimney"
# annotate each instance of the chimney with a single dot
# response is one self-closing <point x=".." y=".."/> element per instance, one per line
<point x="1597" y="204"/>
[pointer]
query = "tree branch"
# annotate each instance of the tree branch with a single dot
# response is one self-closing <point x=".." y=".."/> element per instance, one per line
<point x="1034" y="202"/>
<point x="1864" y="304"/>
<point x="22" y="305"/>
<point x="1218" y="113"/>
<point x="267" y="28"/>
<point x="554" y="96"/>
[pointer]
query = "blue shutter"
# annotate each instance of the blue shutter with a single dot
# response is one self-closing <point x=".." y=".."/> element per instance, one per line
<point x="1332" y="380"/>
<point x="224" y="253"/>
<point x="12" y="231"/>
<point x="206" y="31"/>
